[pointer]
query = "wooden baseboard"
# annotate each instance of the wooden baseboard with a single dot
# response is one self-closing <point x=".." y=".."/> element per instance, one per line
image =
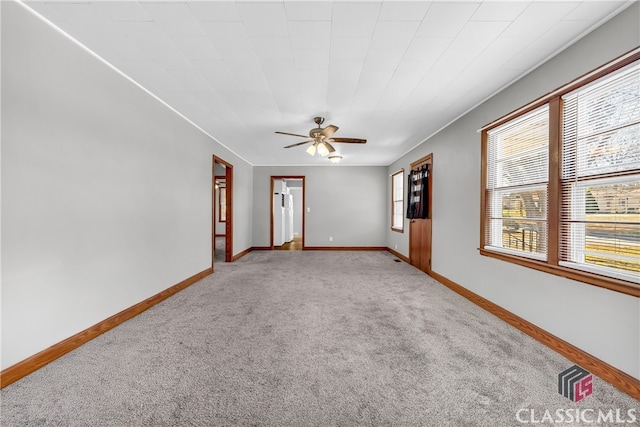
<point x="333" y="248"/>
<point x="399" y="255"/>
<point x="344" y="248"/>
<point x="329" y="248"/>
<point x="241" y="254"/>
<point x="612" y="375"/>
<point x="21" y="369"/>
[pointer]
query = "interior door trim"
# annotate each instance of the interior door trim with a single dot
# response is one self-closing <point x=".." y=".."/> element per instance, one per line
<point x="428" y="160"/>
<point x="228" y="245"/>
<point x="304" y="231"/>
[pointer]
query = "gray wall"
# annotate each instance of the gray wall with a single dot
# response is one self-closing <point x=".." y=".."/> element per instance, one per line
<point x="347" y="203"/>
<point x="106" y="192"/>
<point x="601" y="322"/>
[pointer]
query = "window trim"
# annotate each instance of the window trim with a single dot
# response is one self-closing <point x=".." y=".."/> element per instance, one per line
<point x="552" y="264"/>
<point x="393" y="201"/>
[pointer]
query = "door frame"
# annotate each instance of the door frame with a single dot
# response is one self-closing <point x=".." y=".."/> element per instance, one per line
<point x="228" y="240"/>
<point x="428" y="160"/>
<point x="273" y="179"/>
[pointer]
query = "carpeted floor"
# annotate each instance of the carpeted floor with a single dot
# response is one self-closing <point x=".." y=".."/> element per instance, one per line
<point x="306" y="338"/>
<point x="218" y="249"/>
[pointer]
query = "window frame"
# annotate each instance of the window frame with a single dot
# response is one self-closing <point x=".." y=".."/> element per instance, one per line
<point x="519" y="183"/>
<point x="394" y="201"/>
<point x="552" y="263"/>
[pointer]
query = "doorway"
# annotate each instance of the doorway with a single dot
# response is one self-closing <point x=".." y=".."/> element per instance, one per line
<point x="421" y="183"/>
<point x="222" y="212"/>
<point x="287" y="212"/>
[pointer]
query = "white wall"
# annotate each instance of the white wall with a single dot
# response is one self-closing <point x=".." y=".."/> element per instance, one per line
<point x="296" y="192"/>
<point x="106" y="192"/>
<point x="601" y="322"/>
<point x="347" y="203"/>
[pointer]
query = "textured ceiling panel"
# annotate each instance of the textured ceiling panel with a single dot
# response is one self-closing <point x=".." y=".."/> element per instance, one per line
<point x="391" y="72"/>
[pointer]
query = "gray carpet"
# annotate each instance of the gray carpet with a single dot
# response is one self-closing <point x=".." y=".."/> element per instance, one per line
<point x="305" y="338"/>
<point x="218" y="252"/>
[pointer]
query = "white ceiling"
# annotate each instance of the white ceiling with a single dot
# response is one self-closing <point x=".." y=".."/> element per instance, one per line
<point x="391" y="72"/>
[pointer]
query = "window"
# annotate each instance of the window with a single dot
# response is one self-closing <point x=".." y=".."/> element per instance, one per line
<point x="517" y="183"/>
<point x="397" y="201"/>
<point x="600" y="179"/>
<point x="562" y="180"/>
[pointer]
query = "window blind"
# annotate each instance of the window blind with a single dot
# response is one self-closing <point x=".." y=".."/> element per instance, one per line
<point x="397" y="194"/>
<point x="600" y="176"/>
<point x="517" y="183"/>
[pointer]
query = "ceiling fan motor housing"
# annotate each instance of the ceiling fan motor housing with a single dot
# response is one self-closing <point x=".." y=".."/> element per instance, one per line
<point x="315" y="132"/>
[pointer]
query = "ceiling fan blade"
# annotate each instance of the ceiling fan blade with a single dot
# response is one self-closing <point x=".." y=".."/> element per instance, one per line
<point x="329" y="147"/>
<point x="349" y="140"/>
<point x="299" y="143"/>
<point x="328" y="131"/>
<point x="292" y="134"/>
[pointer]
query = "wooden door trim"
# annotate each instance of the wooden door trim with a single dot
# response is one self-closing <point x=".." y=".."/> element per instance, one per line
<point x="426" y="160"/>
<point x="273" y="178"/>
<point x="216" y="178"/>
<point x="228" y="246"/>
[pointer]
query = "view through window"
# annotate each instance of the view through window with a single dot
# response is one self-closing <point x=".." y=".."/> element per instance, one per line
<point x="397" y="204"/>
<point x="562" y="180"/>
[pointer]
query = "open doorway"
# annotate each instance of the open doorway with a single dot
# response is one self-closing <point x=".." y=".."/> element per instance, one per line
<point x="222" y="220"/>
<point x="287" y="212"/>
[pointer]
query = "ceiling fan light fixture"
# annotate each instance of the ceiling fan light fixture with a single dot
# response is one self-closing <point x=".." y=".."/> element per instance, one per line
<point x="323" y="150"/>
<point x="321" y="139"/>
<point x="335" y="159"/>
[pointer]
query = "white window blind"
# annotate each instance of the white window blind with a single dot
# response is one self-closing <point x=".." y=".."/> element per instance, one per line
<point x="517" y="183"/>
<point x="600" y="177"/>
<point x="397" y="194"/>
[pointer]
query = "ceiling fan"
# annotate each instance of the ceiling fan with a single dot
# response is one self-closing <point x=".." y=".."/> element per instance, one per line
<point x="321" y="138"/>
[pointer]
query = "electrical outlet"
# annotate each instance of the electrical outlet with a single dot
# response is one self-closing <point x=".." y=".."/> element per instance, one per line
<point x="308" y="209"/>
<point x="331" y="238"/>
<point x="396" y="246"/>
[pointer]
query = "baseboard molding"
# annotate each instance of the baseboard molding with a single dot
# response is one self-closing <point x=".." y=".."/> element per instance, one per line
<point x="612" y="375"/>
<point x="399" y="255"/>
<point x="21" y="369"/>
<point x="344" y="248"/>
<point x="241" y="254"/>
<point x="330" y="248"/>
